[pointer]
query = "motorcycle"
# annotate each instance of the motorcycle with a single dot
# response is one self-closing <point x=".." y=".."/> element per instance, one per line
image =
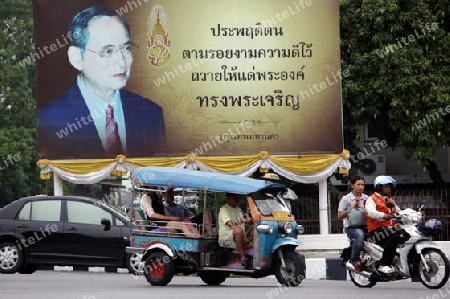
<point x="417" y="256"/>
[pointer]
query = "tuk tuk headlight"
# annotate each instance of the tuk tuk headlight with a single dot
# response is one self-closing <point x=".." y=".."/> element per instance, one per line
<point x="288" y="228"/>
<point x="264" y="229"/>
<point x="300" y="229"/>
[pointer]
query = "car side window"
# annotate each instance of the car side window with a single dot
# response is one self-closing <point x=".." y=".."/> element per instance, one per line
<point x="119" y="222"/>
<point x="81" y="212"/>
<point x="43" y="210"/>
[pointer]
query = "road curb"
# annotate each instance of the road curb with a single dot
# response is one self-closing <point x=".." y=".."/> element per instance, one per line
<point x="325" y="269"/>
<point x="84" y="269"/>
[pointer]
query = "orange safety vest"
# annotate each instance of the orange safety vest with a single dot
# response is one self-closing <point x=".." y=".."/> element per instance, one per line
<point x="381" y="207"/>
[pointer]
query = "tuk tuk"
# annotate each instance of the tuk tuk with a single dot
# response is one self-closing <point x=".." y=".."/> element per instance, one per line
<point x="272" y="236"/>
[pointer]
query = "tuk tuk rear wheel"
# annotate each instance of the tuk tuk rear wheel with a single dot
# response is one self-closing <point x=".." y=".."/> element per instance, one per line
<point x="213" y="278"/>
<point x="293" y="274"/>
<point x="159" y="269"/>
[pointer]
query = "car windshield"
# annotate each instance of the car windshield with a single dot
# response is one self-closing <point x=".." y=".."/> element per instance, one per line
<point x="268" y="203"/>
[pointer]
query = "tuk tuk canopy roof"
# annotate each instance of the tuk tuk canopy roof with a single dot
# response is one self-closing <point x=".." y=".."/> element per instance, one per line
<point x="210" y="181"/>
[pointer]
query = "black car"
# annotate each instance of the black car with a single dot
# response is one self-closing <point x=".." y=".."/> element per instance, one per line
<point x="63" y="230"/>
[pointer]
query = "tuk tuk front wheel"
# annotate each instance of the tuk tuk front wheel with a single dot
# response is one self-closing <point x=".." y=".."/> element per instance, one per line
<point x="293" y="274"/>
<point x="159" y="269"/>
<point x="213" y="278"/>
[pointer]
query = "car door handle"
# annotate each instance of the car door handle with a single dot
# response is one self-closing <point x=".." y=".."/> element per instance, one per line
<point x="22" y="226"/>
<point x="72" y="228"/>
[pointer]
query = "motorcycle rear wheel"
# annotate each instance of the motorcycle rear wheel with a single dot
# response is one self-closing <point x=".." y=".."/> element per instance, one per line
<point x="359" y="280"/>
<point x="439" y="269"/>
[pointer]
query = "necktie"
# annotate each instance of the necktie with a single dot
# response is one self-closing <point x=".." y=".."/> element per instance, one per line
<point x="113" y="144"/>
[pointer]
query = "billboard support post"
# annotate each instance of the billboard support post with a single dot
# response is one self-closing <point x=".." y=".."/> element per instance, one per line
<point x="323" y="207"/>
<point x="58" y="184"/>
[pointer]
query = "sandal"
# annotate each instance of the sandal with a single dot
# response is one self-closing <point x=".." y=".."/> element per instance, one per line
<point x="360" y="265"/>
<point x="246" y="263"/>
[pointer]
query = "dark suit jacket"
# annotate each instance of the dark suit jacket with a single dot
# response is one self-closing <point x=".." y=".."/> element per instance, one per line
<point x="65" y="132"/>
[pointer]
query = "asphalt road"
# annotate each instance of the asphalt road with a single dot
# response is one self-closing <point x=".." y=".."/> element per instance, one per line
<point x="88" y="285"/>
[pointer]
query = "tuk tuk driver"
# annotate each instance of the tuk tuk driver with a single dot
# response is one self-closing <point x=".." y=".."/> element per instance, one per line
<point x="232" y="226"/>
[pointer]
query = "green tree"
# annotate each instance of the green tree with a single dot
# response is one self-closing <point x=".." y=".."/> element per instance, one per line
<point x="19" y="174"/>
<point x="397" y="54"/>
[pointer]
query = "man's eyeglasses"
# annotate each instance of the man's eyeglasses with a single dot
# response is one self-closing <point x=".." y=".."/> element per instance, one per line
<point x="126" y="50"/>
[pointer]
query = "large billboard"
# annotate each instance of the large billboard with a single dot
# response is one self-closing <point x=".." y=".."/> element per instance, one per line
<point x="168" y="78"/>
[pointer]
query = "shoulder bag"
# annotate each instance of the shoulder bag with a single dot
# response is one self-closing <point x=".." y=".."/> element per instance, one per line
<point x="356" y="218"/>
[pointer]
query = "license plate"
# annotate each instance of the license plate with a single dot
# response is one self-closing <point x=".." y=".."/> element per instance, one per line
<point x="280" y="215"/>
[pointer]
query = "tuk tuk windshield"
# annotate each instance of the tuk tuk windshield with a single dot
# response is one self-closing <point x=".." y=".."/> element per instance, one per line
<point x="268" y="203"/>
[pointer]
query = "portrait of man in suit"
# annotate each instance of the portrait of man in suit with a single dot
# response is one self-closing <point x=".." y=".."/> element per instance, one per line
<point x="97" y="117"/>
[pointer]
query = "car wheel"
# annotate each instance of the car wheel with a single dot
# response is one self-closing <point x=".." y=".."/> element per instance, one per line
<point x="28" y="269"/>
<point x="11" y="258"/>
<point x="134" y="263"/>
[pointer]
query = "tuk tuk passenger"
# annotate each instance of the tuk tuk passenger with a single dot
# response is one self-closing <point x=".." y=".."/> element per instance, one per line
<point x="185" y="214"/>
<point x="155" y="211"/>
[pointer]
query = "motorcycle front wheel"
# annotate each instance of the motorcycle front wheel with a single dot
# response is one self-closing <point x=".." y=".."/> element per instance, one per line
<point x="438" y="268"/>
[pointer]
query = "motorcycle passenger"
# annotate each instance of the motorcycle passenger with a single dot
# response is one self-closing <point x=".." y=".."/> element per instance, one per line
<point x="355" y="199"/>
<point x="381" y="209"/>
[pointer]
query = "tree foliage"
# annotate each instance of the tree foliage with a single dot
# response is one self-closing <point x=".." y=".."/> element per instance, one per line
<point x="397" y="54"/>
<point x="19" y="175"/>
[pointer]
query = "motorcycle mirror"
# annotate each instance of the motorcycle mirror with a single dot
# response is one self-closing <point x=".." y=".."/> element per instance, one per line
<point x="420" y="209"/>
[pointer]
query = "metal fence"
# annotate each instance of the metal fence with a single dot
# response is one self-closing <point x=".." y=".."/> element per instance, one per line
<point x="435" y="201"/>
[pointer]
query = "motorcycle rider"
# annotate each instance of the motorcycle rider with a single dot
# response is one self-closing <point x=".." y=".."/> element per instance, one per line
<point x="380" y="210"/>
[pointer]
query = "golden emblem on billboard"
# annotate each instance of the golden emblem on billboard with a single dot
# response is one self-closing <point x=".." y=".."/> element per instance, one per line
<point x="158" y="37"/>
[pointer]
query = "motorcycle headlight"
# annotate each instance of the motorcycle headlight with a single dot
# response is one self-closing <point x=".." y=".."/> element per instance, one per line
<point x="288" y="228"/>
<point x="265" y="229"/>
